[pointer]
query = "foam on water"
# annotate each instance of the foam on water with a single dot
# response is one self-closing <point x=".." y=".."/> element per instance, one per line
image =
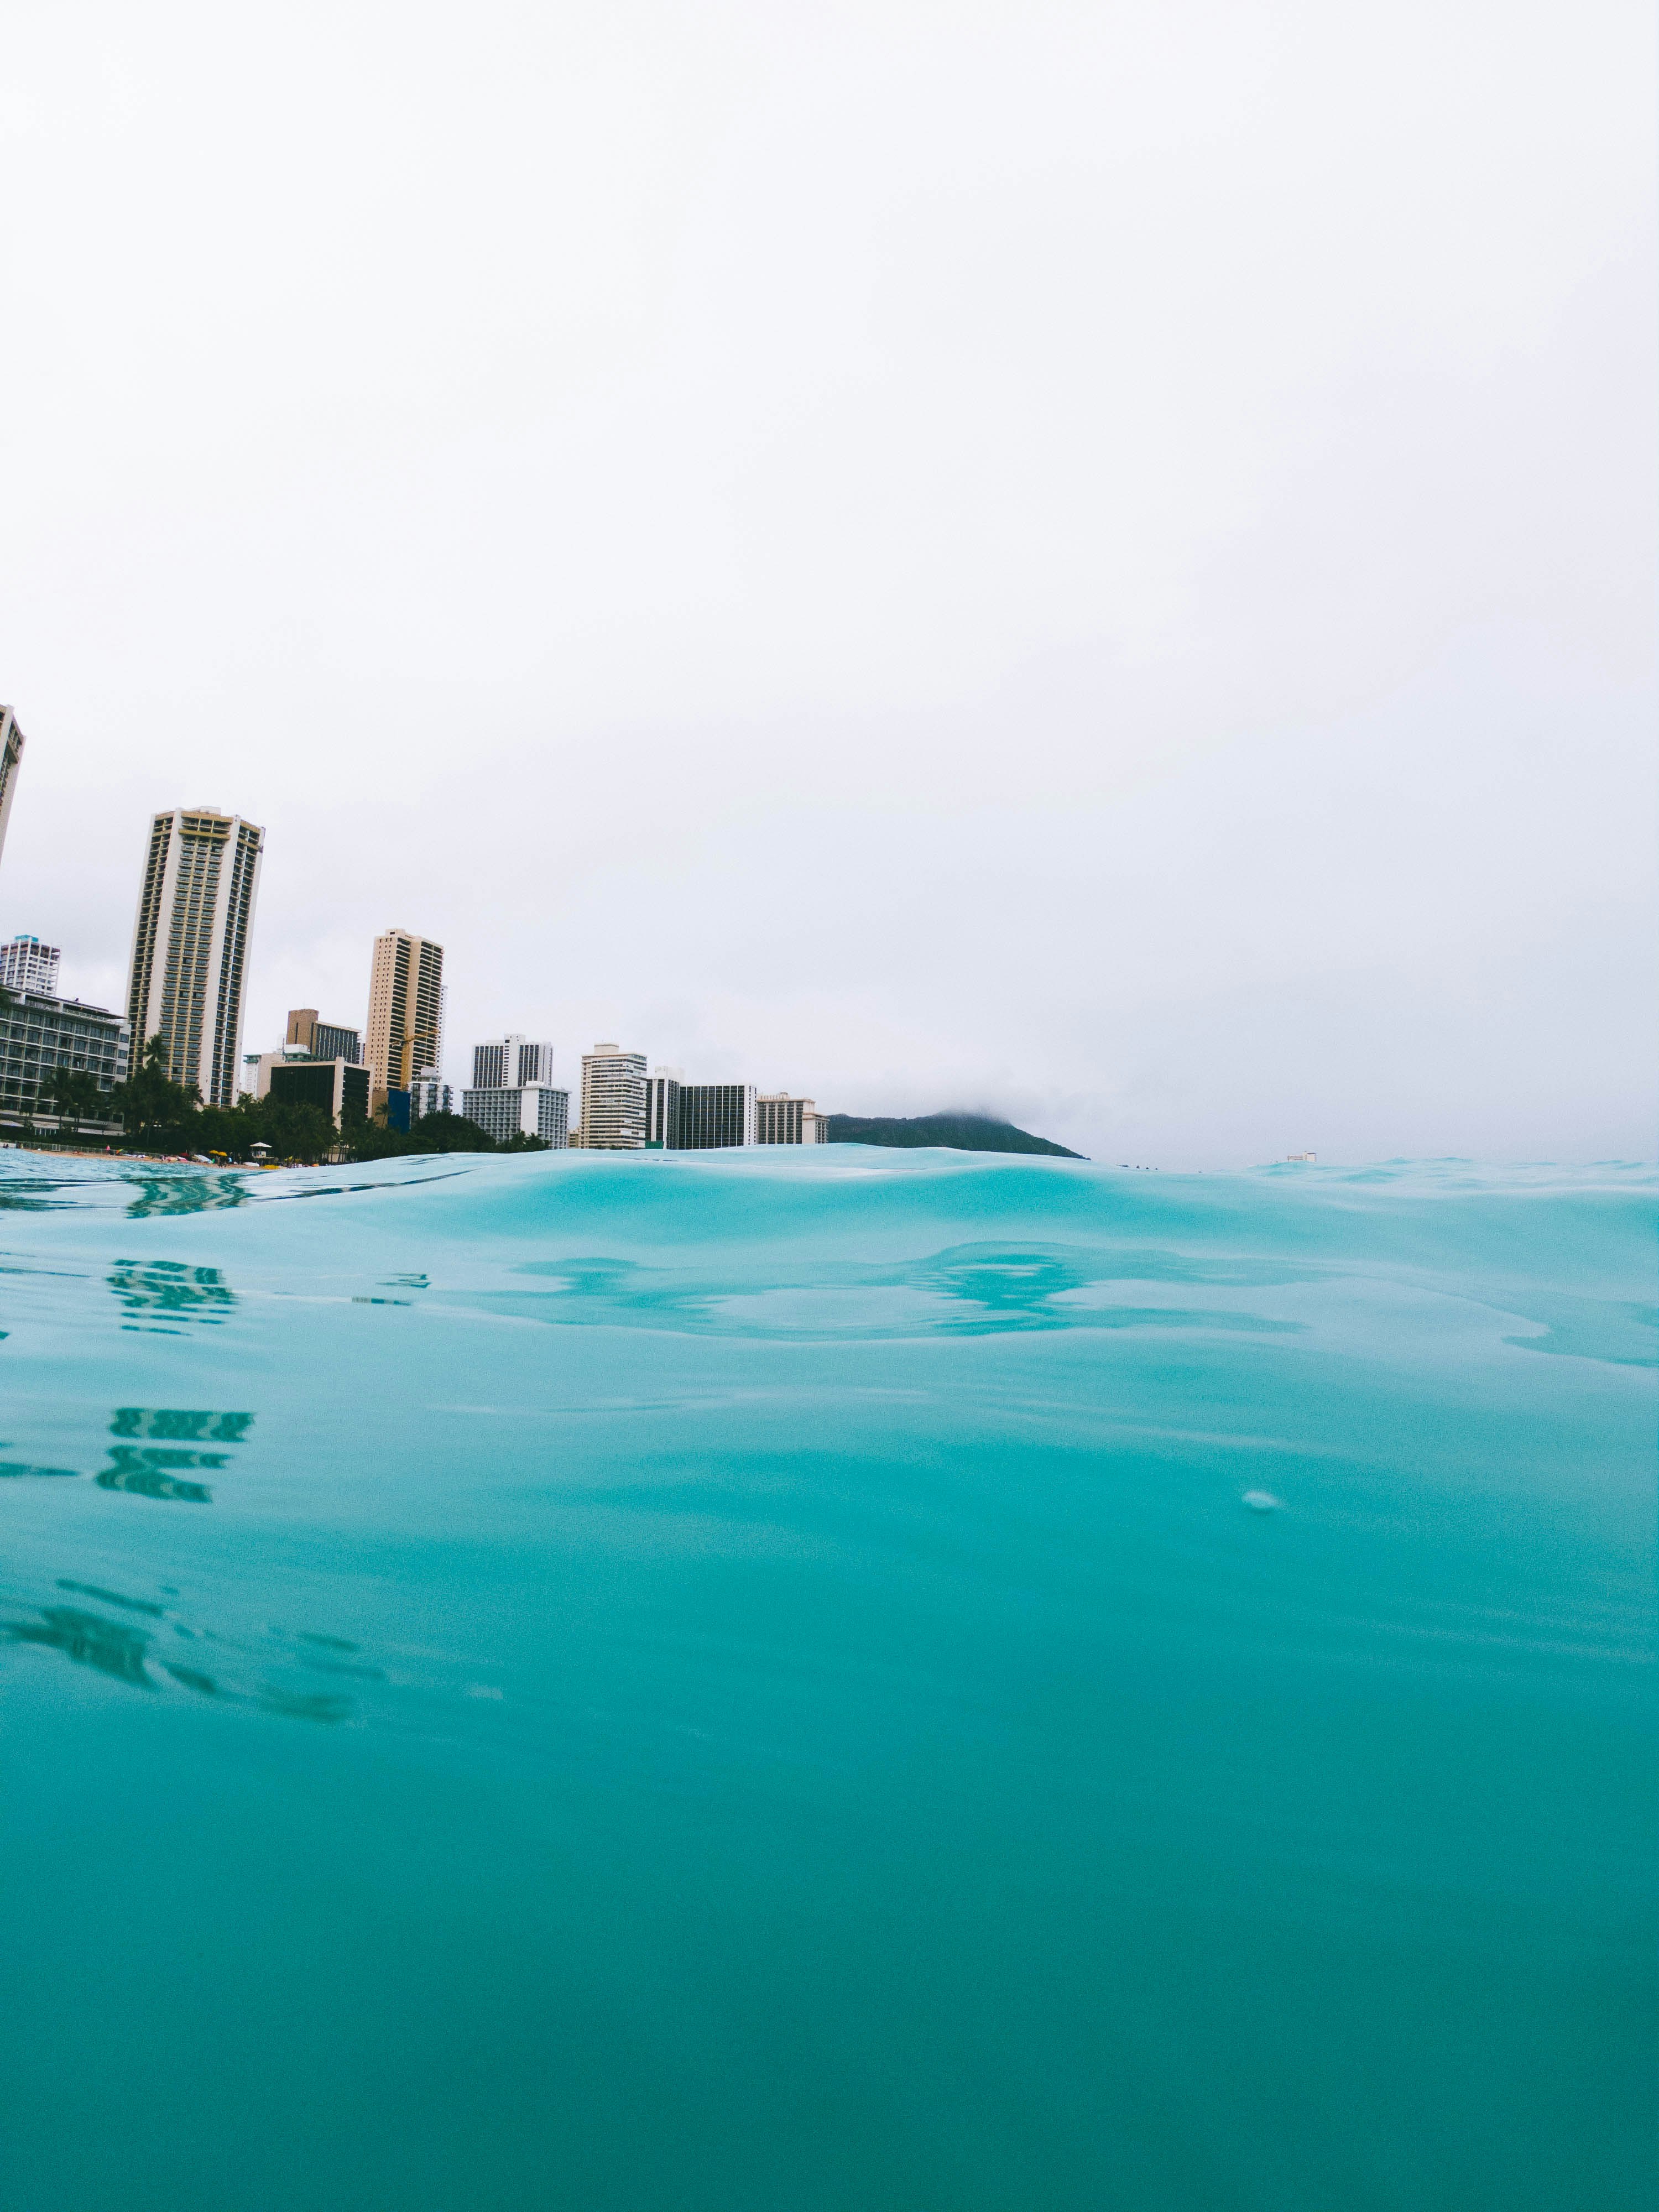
<point x="736" y="1683"/>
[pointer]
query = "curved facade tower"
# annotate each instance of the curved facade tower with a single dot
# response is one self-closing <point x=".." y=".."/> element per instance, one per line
<point x="189" y="945"/>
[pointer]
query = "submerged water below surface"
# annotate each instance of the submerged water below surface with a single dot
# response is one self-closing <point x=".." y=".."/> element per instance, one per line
<point x="794" y="1681"/>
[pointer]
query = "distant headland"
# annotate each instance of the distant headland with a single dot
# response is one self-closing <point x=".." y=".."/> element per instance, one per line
<point x="961" y="1133"/>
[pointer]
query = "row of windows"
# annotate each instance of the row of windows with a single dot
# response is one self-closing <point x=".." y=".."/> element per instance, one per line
<point x="14" y="1092"/>
<point x="84" y="1040"/>
<point x="60" y="1037"/>
<point x="48" y="1062"/>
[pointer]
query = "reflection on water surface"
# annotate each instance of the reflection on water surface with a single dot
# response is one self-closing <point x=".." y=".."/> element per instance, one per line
<point x="167" y="1291"/>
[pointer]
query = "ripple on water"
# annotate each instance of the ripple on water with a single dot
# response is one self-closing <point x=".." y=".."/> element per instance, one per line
<point x="737" y="1683"/>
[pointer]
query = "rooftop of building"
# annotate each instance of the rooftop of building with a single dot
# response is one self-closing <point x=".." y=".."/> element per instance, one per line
<point x="67" y="1006"/>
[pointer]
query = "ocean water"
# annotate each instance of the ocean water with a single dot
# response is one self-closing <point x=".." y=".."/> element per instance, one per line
<point x="805" y="1680"/>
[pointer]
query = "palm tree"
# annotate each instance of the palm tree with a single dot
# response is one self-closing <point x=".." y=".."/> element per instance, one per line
<point x="149" y="1102"/>
<point x="76" y="1095"/>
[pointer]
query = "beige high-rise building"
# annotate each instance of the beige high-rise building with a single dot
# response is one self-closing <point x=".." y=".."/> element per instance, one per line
<point x="189" y="945"/>
<point x="405" y="1012"/>
<point x="613" y="1100"/>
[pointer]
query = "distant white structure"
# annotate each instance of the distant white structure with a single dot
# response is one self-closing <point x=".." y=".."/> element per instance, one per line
<point x="526" y="1110"/>
<point x="613" y="1100"/>
<point x="662" y="1108"/>
<point x="781" y="1119"/>
<point x="1301" y="1159"/>
<point x="429" y="1094"/>
<point x="506" y="1063"/>
<point x="27" y="965"/>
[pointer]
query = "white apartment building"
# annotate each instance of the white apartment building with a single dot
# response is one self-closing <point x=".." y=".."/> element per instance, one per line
<point x="613" y="1100"/>
<point x="429" y="1094"/>
<point x="529" y="1110"/>
<point x="504" y="1063"/>
<point x="27" y="965"/>
<point x="189" y="945"/>
<point x="662" y="1108"/>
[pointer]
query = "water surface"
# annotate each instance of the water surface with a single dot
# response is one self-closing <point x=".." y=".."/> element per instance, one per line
<point x="800" y="1680"/>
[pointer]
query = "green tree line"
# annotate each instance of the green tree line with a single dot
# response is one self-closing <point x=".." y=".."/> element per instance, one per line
<point x="160" y="1115"/>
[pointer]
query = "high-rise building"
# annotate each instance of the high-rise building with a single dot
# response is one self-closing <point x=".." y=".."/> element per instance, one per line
<point x="781" y="1119"/>
<point x="189" y="945"/>
<point x="529" y="1110"/>
<point x="405" y="1011"/>
<point x="323" y="1040"/>
<point x="11" y="755"/>
<point x="714" y="1115"/>
<point x="27" y="965"/>
<point x="510" y="1063"/>
<point x="613" y="1100"/>
<point x="662" y="1109"/>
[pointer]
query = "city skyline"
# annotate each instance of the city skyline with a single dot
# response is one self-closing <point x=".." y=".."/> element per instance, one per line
<point x="192" y="953"/>
<point x="190" y="956"/>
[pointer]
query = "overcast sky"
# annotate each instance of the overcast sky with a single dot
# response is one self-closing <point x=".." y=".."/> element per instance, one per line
<point x="1094" y="562"/>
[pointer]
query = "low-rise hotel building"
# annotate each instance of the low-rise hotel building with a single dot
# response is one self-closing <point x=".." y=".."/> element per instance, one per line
<point x="41" y="1037"/>
<point x="522" y="1109"/>
<point x="295" y="1077"/>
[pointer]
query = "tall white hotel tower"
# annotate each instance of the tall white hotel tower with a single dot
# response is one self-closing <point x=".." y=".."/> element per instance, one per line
<point x="189" y="945"/>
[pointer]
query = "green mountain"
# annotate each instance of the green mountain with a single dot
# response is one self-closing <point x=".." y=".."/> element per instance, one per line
<point x="961" y="1133"/>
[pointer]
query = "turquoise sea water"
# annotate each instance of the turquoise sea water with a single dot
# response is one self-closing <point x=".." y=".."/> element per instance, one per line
<point x="805" y="1681"/>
